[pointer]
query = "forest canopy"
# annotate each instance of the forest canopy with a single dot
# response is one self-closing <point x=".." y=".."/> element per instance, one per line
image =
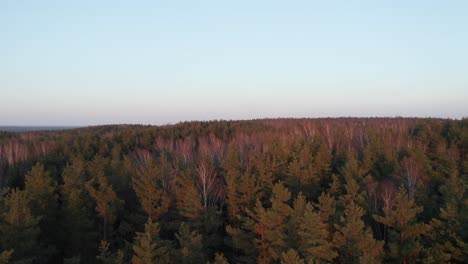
<point x="331" y="190"/>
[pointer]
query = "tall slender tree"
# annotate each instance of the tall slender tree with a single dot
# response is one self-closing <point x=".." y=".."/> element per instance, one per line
<point x="20" y="229"/>
<point x="354" y="241"/>
<point x="103" y="194"/>
<point x="149" y="187"/>
<point x="405" y="230"/>
<point x="148" y="249"/>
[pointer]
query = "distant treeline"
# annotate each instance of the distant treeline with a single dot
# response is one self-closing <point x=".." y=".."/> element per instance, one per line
<point x="344" y="190"/>
<point x="32" y="128"/>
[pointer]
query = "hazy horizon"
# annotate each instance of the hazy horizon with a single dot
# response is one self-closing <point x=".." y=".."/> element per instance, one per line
<point x="58" y="127"/>
<point x="144" y="62"/>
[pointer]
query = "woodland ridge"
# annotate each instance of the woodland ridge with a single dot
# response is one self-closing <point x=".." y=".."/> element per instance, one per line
<point x="327" y="190"/>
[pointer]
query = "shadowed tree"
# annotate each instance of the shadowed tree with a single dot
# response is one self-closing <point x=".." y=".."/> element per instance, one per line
<point x="405" y="232"/>
<point x="78" y="224"/>
<point x="43" y="202"/>
<point x="445" y="231"/>
<point x="101" y="191"/>
<point x="270" y="227"/>
<point x="354" y="241"/>
<point x="314" y="237"/>
<point x="190" y="245"/>
<point x="189" y="199"/>
<point x="107" y="257"/>
<point x="220" y="259"/>
<point x="41" y="189"/>
<point x="291" y="257"/>
<point x="148" y="186"/>
<point x="19" y="229"/>
<point x="147" y="249"/>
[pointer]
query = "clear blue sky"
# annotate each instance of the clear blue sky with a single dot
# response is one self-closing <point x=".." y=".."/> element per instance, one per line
<point x="153" y="62"/>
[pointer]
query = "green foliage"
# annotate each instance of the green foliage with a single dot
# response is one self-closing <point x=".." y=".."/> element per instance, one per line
<point x="20" y="228"/>
<point x="78" y="221"/>
<point x="189" y="199"/>
<point x="405" y="232"/>
<point x="354" y="241"/>
<point x="220" y="259"/>
<point x="107" y="257"/>
<point x="42" y="191"/>
<point x="314" y="243"/>
<point x="103" y="194"/>
<point x="148" y="186"/>
<point x="147" y="249"/>
<point x="277" y="191"/>
<point x="291" y="257"/>
<point x="445" y="231"/>
<point x="190" y="245"/>
<point x="270" y="227"/>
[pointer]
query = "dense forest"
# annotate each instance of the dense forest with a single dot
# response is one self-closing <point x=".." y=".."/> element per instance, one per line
<point x="344" y="190"/>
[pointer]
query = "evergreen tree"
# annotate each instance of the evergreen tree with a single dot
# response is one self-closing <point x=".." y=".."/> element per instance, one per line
<point x="354" y="241"/>
<point x="242" y="240"/>
<point x="78" y="225"/>
<point x="352" y="177"/>
<point x="189" y="200"/>
<point x="43" y="199"/>
<point x="291" y="257"/>
<point x="147" y="249"/>
<point x="232" y="174"/>
<point x="107" y="257"/>
<point x="19" y="229"/>
<point x="405" y="231"/>
<point x="220" y="259"/>
<point x="101" y="191"/>
<point x="190" y="245"/>
<point x="314" y="243"/>
<point x="270" y="227"/>
<point x="148" y="186"/>
<point x="327" y="207"/>
<point x="301" y="172"/>
<point x="445" y="231"/>
<point x="41" y="189"/>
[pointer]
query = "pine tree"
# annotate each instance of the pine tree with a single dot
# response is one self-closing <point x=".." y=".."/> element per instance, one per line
<point x="220" y="259"/>
<point x="41" y="189"/>
<point x="148" y="186"/>
<point x="313" y="239"/>
<point x="295" y="219"/>
<point x="352" y="175"/>
<point x="354" y="241"/>
<point x="78" y="223"/>
<point x="405" y="231"/>
<point x="242" y="240"/>
<point x="43" y="199"/>
<point x="327" y="208"/>
<point x="291" y="257"/>
<point x="102" y="192"/>
<point x="270" y="227"/>
<point x="147" y="249"/>
<point x="232" y="174"/>
<point x="188" y="197"/>
<point x="19" y="230"/>
<point x="107" y="257"/>
<point x="190" y="245"/>
<point x="301" y="172"/>
<point x="445" y="231"/>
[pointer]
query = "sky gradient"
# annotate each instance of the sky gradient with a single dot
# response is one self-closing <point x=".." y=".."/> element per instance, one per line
<point x="157" y="62"/>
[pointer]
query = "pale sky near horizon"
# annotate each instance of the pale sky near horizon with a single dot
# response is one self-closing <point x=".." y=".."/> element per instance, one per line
<point x="157" y="62"/>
